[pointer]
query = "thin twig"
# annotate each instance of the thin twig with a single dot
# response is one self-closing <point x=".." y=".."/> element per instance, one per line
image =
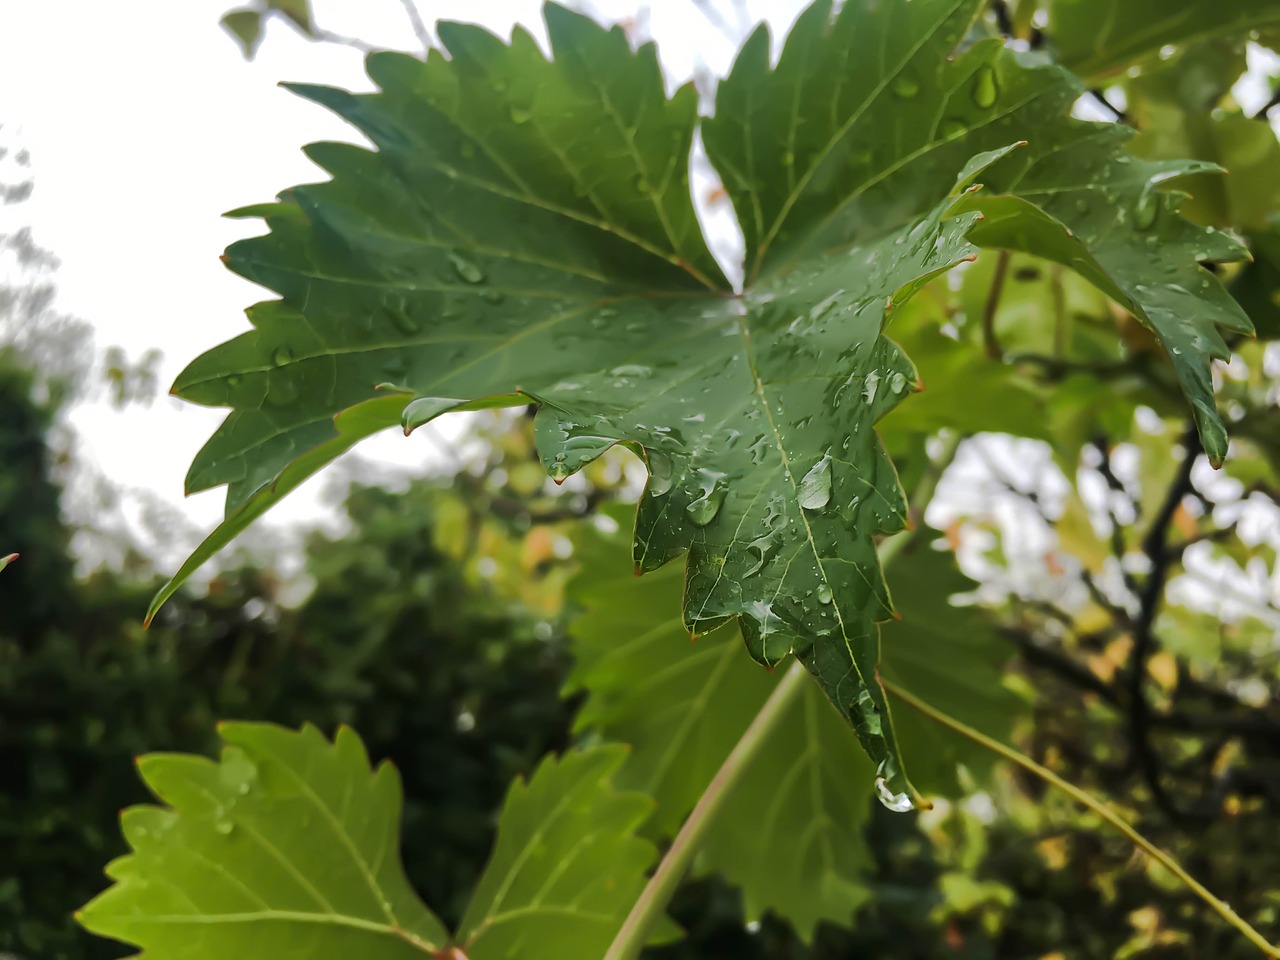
<point x="1056" y="662"/>
<point x="716" y="19"/>
<point x="989" y="339"/>
<point x="1102" y="445"/>
<point x="1101" y="98"/>
<point x="1004" y="22"/>
<point x="1100" y="808"/>
<point x="1059" y="367"/>
<point x="328" y="36"/>
<point x="1057" y="288"/>
<point x="1156" y="546"/>
<point x="420" y="29"/>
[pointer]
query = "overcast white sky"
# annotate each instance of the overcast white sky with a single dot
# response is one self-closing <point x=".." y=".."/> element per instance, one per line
<point x="145" y="124"/>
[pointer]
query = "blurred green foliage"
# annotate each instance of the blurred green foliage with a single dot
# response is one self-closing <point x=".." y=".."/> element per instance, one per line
<point x="447" y="673"/>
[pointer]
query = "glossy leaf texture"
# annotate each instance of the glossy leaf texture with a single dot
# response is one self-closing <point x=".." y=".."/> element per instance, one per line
<point x="791" y="834"/>
<point x="524" y="230"/>
<point x="7" y="559"/>
<point x="816" y="164"/>
<point x="287" y="848"/>
<point x="1096" y="38"/>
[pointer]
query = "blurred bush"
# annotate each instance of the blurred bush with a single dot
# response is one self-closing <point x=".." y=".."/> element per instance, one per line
<point x="404" y="637"/>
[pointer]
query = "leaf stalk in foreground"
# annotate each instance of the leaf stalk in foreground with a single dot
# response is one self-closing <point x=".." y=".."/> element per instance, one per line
<point x="652" y="903"/>
<point x="653" y="900"/>
<point x="1220" y="907"/>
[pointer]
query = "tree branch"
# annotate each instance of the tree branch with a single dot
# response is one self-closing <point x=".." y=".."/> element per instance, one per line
<point x="1101" y="99"/>
<point x="1119" y="548"/>
<point x="1156" y="546"/>
<point x="1061" y="665"/>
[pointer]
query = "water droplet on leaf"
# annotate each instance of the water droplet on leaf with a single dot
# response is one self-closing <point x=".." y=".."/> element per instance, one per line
<point x="985" y="89"/>
<point x="869" y="387"/>
<point x="1146" y="209"/>
<point x="906" y="86"/>
<point x="897" y="802"/>
<point x="815" y="486"/>
<point x="402" y="319"/>
<point x="466" y="270"/>
<point x="762" y="547"/>
<point x="703" y="510"/>
<point x="661" y="473"/>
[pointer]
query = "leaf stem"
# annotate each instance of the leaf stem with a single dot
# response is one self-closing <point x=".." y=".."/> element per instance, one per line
<point x="653" y="900"/>
<point x="989" y="339"/>
<point x="1086" y="799"/>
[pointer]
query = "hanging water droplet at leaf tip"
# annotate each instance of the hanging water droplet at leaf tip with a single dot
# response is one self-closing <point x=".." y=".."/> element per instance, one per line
<point x="896" y="802"/>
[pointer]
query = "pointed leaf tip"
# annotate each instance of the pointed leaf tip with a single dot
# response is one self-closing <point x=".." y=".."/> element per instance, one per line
<point x="422" y="410"/>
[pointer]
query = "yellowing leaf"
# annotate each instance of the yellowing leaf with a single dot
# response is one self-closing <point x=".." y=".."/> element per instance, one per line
<point x="1077" y="536"/>
<point x="1163" y="669"/>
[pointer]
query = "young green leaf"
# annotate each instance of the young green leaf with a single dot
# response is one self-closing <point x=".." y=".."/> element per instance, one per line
<point x="791" y="833"/>
<point x="6" y="560"/>
<point x="246" y="27"/>
<point x="526" y="226"/>
<point x="287" y="844"/>
<point x="288" y="847"/>
<point x="566" y="867"/>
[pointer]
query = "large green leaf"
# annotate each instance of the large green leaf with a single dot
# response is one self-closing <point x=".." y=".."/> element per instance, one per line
<point x="1100" y="37"/>
<point x="287" y="848"/>
<point x="813" y="164"/>
<point x="791" y="832"/>
<point x="351" y="426"/>
<point x="526" y="225"/>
